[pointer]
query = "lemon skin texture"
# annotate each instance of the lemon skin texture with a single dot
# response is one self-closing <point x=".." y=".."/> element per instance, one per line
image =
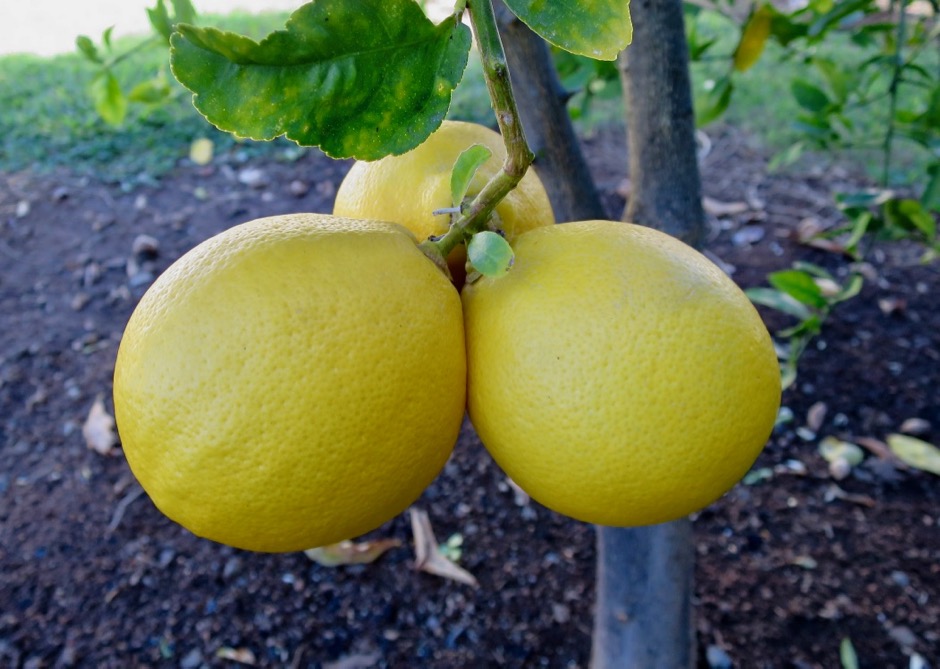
<point x="617" y="375"/>
<point x="292" y="382"/>
<point x="406" y="189"/>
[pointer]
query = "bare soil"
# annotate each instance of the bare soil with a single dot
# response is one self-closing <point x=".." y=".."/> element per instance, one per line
<point x="92" y="575"/>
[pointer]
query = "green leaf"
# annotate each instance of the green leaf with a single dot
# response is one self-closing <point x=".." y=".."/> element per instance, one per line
<point x="714" y="103"/>
<point x="930" y="198"/>
<point x="87" y="48"/>
<point x="160" y="20"/>
<point x="489" y="253"/>
<point x="841" y="79"/>
<point x="918" y="454"/>
<point x="596" y="28"/>
<point x="787" y="374"/>
<point x="183" y="11"/>
<point x="359" y="79"/>
<point x="850" y="288"/>
<point x="805" y="329"/>
<point x="466" y="166"/>
<point x="809" y="96"/>
<point x="151" y="91"/>
<point x="799" y="285"/>
<point x="812" y="269"/>
<point x="108" y="98"/>
<point x="862" y="223"/>
<point x="756" y="476"/>
<point x="832" y="18"/>
<point x="780" y="301"/>
<point x="847" y="654"/>
<point x="786" y="157"/>
<point x="106" y="37"/>
<point x="909" y="214"/>
<point x="866" y="198"/>
<point x="784" y="30"/>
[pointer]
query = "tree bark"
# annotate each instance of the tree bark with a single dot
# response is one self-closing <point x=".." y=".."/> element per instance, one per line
<point x="644" y="597"/>
<point x="666" y="190"/>
<point x="643" y="613"/>
<point x="541" y="100"/>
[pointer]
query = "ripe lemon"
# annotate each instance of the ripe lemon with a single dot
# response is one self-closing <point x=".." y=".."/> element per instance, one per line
<point x="617" y="375"/>
<point x="292" y="382"/>
<point x="407" y="189"/>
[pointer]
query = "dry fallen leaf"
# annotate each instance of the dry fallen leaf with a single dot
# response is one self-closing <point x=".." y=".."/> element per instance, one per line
<point x="916" y="453"/>
<point x="428" y="557"/>
<point x="877" y="447"/>
<point x="520" y="496"/>
<point x="348" y="552"/>
<point x="892" y="305"/>
<point x="810" y="232"/>
<point x="804" y="561"/>
<point x="145" y="245"/>
<point x="355" y="661"/>
<point x="835" y="492"/>
<point x="915" y="426"/>
<point x="98" y="429"/>
<point x="718" y="208"/>
<point x="201" y="150"/>
<point x="240" y="655"/>
<point x="816" y="415"/>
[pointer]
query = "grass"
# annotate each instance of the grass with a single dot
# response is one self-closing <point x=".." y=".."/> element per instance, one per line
<point x="49" y="120"/>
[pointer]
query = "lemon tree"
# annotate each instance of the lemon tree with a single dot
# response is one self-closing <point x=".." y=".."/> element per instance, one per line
<point x="613" y="372"/>
<point x="270" y="383"/>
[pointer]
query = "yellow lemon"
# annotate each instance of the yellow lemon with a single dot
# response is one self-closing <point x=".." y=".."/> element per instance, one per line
<point x="617" y="375"/>
<point x="292" y="382"/>
<point x="407" y="189"/>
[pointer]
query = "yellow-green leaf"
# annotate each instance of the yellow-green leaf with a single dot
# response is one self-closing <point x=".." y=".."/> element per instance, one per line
<point x="362" y="79"/>
<point x="109" y="99"/>
<point x="489" y="253"/>
<point x="348" y="552"/>
<point x="598" y="29"/>
<point x="753" y="38"/>
<point x="918" y="454"/>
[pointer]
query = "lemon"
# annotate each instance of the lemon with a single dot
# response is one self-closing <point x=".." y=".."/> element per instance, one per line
<point x="407" y="189"/>
<point x="617" y="375"/>
<point x="292" y="382"/>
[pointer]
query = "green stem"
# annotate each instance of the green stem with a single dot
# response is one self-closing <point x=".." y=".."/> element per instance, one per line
<point x="893" y="94"/>
<point x="518" y="155"/>
<point x="140" y="46"/>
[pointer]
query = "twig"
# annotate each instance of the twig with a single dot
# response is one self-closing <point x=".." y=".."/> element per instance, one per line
<point x="121" y="507"/>
<point x="518" y="154"/>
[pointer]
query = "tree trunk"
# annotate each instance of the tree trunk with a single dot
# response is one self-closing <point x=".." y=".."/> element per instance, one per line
<point x="644" y="597"/>
<point x="549" y="133"/>
<point x="666" y="191"/>
<point x="644" y="575"/>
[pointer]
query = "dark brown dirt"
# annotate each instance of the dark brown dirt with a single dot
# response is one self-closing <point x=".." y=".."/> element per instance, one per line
<point x="92" y="575"/>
